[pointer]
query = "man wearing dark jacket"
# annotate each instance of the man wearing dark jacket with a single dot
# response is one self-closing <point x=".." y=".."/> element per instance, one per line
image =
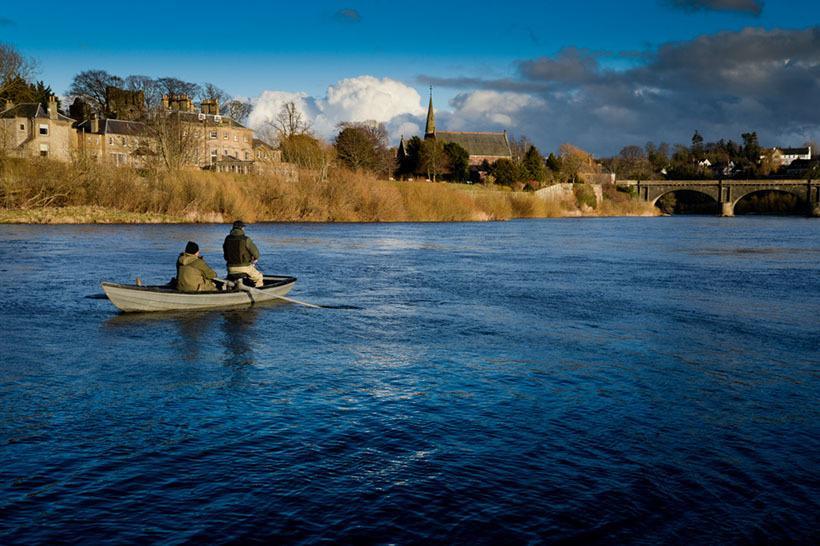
<point x="241" y="254"/>
<point x="193" y="274"/>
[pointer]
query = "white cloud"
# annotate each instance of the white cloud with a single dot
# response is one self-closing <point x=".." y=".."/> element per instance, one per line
<point x="361" y="98"/>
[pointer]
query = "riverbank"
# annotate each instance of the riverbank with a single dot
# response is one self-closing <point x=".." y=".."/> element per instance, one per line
<point x="48" y="192"/>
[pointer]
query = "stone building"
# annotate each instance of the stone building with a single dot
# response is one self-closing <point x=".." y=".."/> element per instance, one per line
<point x="482" y="146"/>
<point x="226" y="145"/>
<point x="124" y="104"/>
<point x="29" y="130"/>
<point x="120" y="142"/>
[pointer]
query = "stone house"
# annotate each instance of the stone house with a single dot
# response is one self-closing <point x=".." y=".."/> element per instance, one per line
<point x="120" y="142"/>
<point x="29" y="130"/>
<point x="226" y="145"/>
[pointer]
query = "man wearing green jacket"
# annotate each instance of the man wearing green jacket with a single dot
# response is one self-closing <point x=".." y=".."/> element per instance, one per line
<point x="193" y="274"/>
<point x="241" y="254"/>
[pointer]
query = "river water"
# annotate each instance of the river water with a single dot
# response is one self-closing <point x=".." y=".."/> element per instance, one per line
<point x="590" y="380"/>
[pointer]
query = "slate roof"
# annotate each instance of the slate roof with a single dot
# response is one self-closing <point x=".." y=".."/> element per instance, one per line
<point x="115" y="127"/>
<point x="794" y="151"/>
<point x="259" y="143"/>
<point x="193" y="117"/>
<point x="30" y="110"/>
<point x="489" y="144"/>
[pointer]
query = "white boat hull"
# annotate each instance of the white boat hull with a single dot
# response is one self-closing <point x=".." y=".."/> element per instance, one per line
<point x="141" y="299"/>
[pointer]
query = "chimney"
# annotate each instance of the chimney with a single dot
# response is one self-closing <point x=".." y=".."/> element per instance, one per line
<point x="165" y="101"/>
<point x="95" y="123"/>
<point x="52" y="107"/>
<point x="216" y="107"/>
<point x="9" y="105"/>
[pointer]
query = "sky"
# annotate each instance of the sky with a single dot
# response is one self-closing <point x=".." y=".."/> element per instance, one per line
<point x="598" y="74"/>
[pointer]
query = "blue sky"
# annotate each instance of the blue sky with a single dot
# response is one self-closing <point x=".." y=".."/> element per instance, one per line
<point x="255" y="46"/>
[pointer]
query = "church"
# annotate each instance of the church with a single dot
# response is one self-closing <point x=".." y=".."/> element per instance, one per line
<point x="482" y="146"/>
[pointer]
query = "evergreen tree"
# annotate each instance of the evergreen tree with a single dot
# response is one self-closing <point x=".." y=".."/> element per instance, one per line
<point x="533" y="165"/>
<point x="553" y="163"/>
<point x="504" y="172"/>
<point x="459" y="160"/>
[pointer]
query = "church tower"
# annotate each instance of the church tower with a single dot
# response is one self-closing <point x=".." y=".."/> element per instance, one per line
<point x="430" y="129"/>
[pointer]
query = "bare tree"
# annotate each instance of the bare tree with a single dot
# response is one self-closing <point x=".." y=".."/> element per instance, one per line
<point x="178" y="143"/>
<point x="13" y="67"/>
<point x="149" y="87"/>
<point x="290" y="121"/>
<point x="91" y="85"/>
<point x="209" y="91"/>
<point x="237" y="110"/>
<point x="175" y="86"/>
<point x="364" y="146"/>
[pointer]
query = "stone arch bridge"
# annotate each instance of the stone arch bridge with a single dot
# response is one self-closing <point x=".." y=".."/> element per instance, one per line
<point x="729" y="192"/>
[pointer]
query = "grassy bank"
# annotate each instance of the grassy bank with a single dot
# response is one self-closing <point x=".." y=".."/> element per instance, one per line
<point x="41" y="191"/>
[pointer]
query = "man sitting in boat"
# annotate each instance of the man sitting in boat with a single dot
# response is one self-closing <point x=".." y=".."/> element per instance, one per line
<point x="193" y="274"/>
<point x="241" y="254"/>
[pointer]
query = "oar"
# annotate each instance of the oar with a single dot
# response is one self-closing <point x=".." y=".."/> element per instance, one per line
<point x="255" y="291"/>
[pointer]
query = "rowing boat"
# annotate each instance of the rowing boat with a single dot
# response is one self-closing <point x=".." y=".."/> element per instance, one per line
<point x="132" y="298"/>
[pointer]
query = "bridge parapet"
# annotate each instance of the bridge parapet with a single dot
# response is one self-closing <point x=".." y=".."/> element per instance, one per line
<point x="729" y="192"/>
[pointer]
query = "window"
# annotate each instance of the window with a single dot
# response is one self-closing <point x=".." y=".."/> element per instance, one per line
<point x="236" y="138"/>
<point x="225" y="152"/>
<point x="111" y="140"/>
<point x="225" y="136"/>
<point x="245" y="139"/>
<point x="22" y="126"/>
<point x="44" y="150"/>
<point x="213" y="156"/>
<point x="214" y="135"/>
<point x="247" y="156"/>
<point x="119" y="158"/>
<point x="44" y="130"/>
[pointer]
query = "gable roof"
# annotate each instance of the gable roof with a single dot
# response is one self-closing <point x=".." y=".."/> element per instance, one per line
<point x="794" y="151"/>
<point x="30" y="110"/>
<point x="115" y="127"/>
<point x="259" y="143"/>
<point x="489" y="144"/>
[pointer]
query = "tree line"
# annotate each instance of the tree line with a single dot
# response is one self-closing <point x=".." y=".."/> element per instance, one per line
<point x="700" y="160"/>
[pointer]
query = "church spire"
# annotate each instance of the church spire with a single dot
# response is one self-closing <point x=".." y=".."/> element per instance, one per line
<point x="430" y="129"/>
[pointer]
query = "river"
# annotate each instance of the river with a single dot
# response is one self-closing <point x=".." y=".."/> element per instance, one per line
<point x="612" y="380"/>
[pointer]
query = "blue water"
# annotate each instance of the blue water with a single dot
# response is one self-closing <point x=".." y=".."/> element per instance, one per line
<point x="603" y="381"/>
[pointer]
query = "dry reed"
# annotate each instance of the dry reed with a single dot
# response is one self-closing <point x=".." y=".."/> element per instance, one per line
<point x="201" y="196"/>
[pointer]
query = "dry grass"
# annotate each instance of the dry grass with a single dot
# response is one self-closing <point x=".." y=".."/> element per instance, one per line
<point x="37" y="190"/>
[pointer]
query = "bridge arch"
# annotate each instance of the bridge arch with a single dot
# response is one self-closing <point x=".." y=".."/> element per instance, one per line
<point x="797" y="192"/>
<point x="694" y="189"/>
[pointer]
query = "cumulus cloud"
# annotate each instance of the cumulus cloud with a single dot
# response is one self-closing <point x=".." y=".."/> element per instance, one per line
<point x="721" y="84"/>
<point x="753" y="7"/>
<point x="362" y="98"/>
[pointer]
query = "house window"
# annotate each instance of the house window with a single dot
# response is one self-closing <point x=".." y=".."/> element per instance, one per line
<point x="247" y="156"/>
<point x="44" y="130"/>
<point x="111" y="140"/>
<point x="245" y="139"/>
<point x="214" y="135"/>
<point x="225" y="152"/>
<point x="225" y="136"/>
<point x="44" y="150"/>
<point x="119" y="158"/>
<point x="236" y="138"/>
<point x="213" y="156"/>
<point x="22" y="126"/>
